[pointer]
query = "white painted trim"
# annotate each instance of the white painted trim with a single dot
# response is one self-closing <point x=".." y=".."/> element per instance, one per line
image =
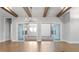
<point x="72" y="42"/>
<point x="17" y="40"/>
<point x="4" y="30"/>
<point x="3" y="40"/>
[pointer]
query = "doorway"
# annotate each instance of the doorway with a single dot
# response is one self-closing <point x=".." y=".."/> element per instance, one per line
<point x="31" y="32"/>
<point x="8" y="22"/>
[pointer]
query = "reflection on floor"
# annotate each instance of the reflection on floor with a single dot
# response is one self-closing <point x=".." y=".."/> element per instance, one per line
<point x="29" y="46"/>
<point x="34" y="46"/>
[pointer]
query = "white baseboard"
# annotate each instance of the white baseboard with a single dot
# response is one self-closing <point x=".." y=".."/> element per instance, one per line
<point x="75" y="42"/>
<point x="3" y="40"/>
<point x="71" y="42"/>
<point x="14" y="40"/>
<point x="17" y="41"/>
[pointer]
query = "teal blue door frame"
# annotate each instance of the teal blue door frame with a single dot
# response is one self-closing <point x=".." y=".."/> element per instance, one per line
<point x="55" y="31"/>
<point x="20" y="32"/>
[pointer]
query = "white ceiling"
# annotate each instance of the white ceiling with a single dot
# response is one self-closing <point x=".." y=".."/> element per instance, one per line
<point x="36" y="11"/>
<point x="53" y="11"/>
<point x="19" y="11"/>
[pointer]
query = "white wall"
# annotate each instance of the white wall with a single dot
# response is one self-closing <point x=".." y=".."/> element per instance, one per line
<point x="70" y="27"/>
<point x="6" y="30"/>
<point x="74" y="25"/>
<point x="46" y="20"/>
<point x="1" y="28"/>
<point x="66" y="26"/>
<point x="38" y="20"/>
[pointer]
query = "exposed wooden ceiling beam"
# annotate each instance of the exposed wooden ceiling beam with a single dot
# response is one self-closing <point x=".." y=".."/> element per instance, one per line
<point x="60" y="12"/>
<point x="45" y="11"/>
<point x="27" y="11"/>
<point x="63" y="11"/>
<point x="7" y="9"/>
<point x="31" y="7"/>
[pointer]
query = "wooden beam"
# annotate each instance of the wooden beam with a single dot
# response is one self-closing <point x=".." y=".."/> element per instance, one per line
<point x="30" y="7"/>
<point x="10" y="11"/>
<point x="60" y="12"/>
<point x="27" y="11"/>
<point x="63" y="11"/>
<point x="45" y="11"/>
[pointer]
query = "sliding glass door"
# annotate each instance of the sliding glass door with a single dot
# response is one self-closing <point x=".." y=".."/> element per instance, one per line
<point x="36" y="32"/>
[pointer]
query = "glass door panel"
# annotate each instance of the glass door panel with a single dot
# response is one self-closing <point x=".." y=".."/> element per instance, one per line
<point x="45" y="32"/>
<point x="20" y="32"/>
<point x="55" y="31"/>
<point x="32" y="32"/>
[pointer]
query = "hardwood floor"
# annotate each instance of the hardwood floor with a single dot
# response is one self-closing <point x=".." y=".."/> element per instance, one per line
<point x="71" y="47"/>
<point x="29" y="46"/>
<point x="34" y="46"/>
